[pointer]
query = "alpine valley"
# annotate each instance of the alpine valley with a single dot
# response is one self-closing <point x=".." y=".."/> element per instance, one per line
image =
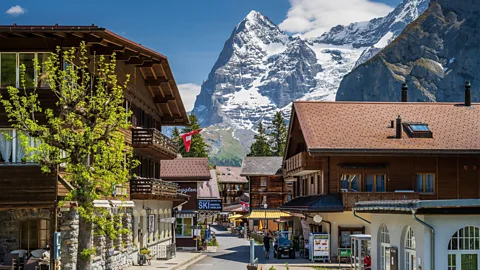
<point x="261" y="70"/>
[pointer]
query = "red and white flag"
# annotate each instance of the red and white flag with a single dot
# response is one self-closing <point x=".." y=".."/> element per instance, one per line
<point x="244" y="206"/>
<point x="187" y="138"/>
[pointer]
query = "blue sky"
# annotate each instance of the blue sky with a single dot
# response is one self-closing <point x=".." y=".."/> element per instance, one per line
<point x="191" y="33"/>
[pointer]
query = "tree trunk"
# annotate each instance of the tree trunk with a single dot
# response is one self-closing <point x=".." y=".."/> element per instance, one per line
<point x="85" y="241"/>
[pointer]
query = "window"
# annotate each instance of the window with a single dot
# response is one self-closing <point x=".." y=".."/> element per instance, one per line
<point x="264" y="201"/>
<point x="11" y="148"/>
<point x="263" y="181"/>
<point x="184" y="227"/>
<point x="384" y="250"/>
<point x="425" y="182"/>
<point x="351" y="182"/>
<point x="464" y="249"/>
<point x="410" y="252"/>
<point x="10" y="64"/>
<point x="375" y="183"/>
<point x="34" y="234"/>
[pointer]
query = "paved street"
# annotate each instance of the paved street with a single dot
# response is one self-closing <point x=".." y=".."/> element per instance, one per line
<point x="234" y="254"/>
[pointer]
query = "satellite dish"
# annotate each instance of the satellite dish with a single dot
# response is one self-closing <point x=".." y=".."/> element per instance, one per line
<point x="317" y="219"/>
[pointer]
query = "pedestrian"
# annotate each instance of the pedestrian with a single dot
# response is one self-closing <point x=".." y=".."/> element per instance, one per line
<point x="266" y="245"/>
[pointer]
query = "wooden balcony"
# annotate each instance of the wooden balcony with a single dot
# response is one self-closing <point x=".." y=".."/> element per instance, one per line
<point x="350" y="198"/>
<point x="152" y="142"/>
<point x="154" y="189"/>
<point x="128" y="135"/>
<point x="302" y="164"/>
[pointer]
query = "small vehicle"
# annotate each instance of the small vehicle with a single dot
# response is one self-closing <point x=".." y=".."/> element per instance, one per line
<point x="283" y="246"/>
<point x="144" y="259"/>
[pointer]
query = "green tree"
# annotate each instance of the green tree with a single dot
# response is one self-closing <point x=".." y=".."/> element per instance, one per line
<point x="176" y="136"/>
<point x="84" y="125"/>
<point x="260" y="147"/>
<point x="278" y="136"/>
<point x="198" y="146"/>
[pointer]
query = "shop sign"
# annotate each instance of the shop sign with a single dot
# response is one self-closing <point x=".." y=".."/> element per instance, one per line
<point x="187" y="190"/>
<point x="320" y="245"/>
<point x="151" y="223"/>
<point x="209" y="204"/>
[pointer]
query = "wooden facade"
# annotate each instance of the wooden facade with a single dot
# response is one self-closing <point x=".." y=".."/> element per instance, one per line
<point x="455" y="176"/>
<point x="271" y="190"/>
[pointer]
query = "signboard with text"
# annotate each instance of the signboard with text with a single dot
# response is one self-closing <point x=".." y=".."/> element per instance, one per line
<point x="209" y="204"/>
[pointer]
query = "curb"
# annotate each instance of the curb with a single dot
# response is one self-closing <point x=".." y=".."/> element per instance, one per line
<point x="189" y="262"/>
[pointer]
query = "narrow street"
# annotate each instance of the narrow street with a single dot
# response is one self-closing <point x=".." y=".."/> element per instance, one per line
<point x="234" y="254"/>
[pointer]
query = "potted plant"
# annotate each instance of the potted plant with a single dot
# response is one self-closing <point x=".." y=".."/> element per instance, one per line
<point x="212" y="245"/>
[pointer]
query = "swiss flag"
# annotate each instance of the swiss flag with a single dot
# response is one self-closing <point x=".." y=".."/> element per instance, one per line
<point x="244" y="206"/>
<point x="187" y="138"/>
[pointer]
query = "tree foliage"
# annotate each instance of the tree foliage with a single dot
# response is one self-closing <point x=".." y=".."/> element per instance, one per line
<point x="278" y="136"/>
<point x="261" y="146"/>
<point x="198" y="146"/>
<point x="80" y="134"/>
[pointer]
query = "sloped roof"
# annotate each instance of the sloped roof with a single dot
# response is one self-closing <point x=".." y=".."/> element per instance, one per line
<point x="184" y="169"/>
<point x="322" y="203"/>
<point x="340" y="127"/>
<point x="209" y="189"/>
<point x="228" y="174"/>
<point x="258" y="166"/>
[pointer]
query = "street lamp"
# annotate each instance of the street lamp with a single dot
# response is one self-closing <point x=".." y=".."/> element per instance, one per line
<point x="266" y="224"/>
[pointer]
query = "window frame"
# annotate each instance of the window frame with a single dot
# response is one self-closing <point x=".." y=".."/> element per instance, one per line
<point x="375" y="175"/>
<point x="183" y="227"/>
<point x="39" y="228"/>
<point x="424" y="182"/>
<point x="350" y="183"/>
<point x="263" y="181"/>
<point x="17" y="67"/>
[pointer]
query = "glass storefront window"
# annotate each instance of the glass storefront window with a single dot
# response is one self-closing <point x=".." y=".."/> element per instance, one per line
<point x="184" y="227"/>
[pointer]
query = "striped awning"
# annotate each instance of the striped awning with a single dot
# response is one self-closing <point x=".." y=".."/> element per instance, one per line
<point x="268" y="214"/>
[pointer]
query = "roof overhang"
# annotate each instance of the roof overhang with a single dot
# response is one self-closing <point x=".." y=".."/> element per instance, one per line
<point x="315" y="203"/>
<point x="461" y="206"/>
<point x="154" y="66"/>
<point x="385" y="152"/>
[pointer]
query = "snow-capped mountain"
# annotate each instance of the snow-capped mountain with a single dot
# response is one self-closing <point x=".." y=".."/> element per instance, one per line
<point x="261" y="70"/>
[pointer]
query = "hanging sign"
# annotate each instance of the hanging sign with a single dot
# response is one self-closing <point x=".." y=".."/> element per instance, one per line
<point x="209" y="204"/>
<point x="151" y="223"/>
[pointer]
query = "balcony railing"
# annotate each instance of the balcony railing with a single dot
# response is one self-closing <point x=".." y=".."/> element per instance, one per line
<point x="145" y="188"/>
<point x="302" y="164"/>
<point x="350" y="198"/>
<point x="154" y="142"/>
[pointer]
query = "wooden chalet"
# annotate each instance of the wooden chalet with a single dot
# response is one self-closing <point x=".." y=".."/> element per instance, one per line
<point x="267" y="187"/>
<point x="233" y="187"/>
<point x="28" y="208"/>
<point x="340" y="154"/>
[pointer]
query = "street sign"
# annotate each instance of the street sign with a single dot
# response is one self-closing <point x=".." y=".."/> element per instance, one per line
<point x="209" y="204"/>
<point x="151" y="223"/>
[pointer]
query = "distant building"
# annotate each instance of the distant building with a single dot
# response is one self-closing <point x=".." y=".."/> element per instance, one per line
<point x="233" y="188"/>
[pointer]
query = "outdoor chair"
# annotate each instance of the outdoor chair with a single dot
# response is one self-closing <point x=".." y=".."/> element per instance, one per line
<point x="10" y="261"/>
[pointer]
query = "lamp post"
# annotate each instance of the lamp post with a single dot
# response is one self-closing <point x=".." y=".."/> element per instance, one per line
<point x="266" y="223"/>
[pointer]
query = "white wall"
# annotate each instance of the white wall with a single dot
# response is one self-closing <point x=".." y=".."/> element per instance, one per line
<point x="160" y="209"/>
<point x="445" y="226"/>
<point x="344" y="219"/>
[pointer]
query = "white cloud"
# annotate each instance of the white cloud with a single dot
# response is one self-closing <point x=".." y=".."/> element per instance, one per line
<point x="314" y="17"/>
<point x="189" y="92"/>
<point x="16" y="11"/>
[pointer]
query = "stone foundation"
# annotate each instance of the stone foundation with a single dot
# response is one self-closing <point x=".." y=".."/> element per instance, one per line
<point x="10" y="227"/>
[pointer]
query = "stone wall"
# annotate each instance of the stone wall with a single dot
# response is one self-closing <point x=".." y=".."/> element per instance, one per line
<point x="69" y="226"/>
<point x="10" y="227"/>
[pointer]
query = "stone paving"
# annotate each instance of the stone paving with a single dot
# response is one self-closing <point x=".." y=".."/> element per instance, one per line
<point x="180" y="261"/>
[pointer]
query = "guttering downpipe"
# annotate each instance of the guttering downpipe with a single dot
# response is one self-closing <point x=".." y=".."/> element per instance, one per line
<point x="359" y="217"/>
<point x="432" y="238"/>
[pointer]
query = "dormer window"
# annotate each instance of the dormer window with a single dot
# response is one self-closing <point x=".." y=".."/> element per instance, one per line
<point x="418" y="130"/>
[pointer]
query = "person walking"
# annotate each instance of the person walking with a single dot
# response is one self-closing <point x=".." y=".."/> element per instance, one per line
<point x="266" y="245"/>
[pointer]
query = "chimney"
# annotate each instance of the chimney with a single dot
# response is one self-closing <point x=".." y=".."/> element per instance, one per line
<point x="404" y="92"/>
<point x="399" y="128"/>
<point x="468" y="96"/>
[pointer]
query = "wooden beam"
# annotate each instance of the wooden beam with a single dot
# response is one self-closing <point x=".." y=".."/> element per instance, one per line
<point x="160" y="99"/>
<point x="136" y="61"/>
<point x="151" y="81"/>
<point x="172" y="118"/>
<point x="18" y="34"/>
<point x="38" y="34"/>
<point x="126" y="55"/>
<point x="60" y="34"/>
<point x="79" y="35"/>
<point x="106" y="50"/>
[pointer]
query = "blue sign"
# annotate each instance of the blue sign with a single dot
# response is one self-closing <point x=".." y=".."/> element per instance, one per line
<point x="283" y="240"/>
<point x="209" y="204"/>
<point x="57" y="243"/>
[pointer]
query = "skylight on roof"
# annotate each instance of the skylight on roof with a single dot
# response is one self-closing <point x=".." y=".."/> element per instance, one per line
<point x="418" y="130"/>
<point x="419" y="127"/>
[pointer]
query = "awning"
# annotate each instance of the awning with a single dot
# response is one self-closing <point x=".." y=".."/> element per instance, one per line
<point x="186" y="214"/>
<point x="267" y="214"/>
<point x="316" y="203"/>
<point x="235" y="216"/>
